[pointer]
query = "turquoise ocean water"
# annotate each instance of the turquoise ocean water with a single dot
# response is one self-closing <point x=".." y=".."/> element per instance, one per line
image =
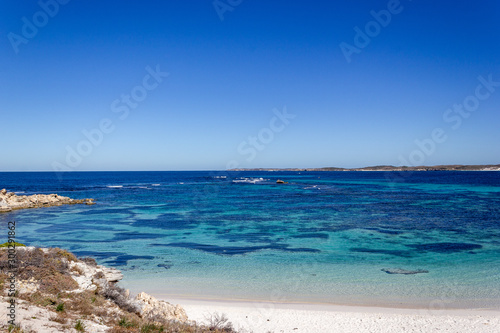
<point x="322" y="237"/>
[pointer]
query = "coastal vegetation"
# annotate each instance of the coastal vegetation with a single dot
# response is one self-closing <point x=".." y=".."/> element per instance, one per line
<point x="76" y="294"/>
<point x="6" y="244"/>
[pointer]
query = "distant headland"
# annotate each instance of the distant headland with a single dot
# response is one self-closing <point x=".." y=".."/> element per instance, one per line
<point x="452" y="167"/>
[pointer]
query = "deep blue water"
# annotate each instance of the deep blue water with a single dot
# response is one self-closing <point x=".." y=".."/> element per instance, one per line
<point x="323" y="236"/>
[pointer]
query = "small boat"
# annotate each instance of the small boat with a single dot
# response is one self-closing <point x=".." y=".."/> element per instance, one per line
<point x="279" y="181"/>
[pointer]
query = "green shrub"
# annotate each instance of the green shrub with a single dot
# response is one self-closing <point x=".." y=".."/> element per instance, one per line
<point x="79" y="326"/>
<point x="65" y="254"/>
<point x="60" y="307"/>
<point x="152" y="328"/>
<point x="14" y="329"/>
<point x="6" y="244"/>
<point x="124" y="322"/>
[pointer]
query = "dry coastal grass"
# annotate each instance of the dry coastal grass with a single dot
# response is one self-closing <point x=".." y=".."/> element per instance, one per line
<point x="107" y="305"/>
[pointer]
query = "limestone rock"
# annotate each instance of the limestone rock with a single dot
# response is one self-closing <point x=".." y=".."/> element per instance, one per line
<point x="151" y="308"/>
<point x="89" y="276"/>
<point x="111" y="274"/>
<point x="4" y="207"/>
<point x="27" y="286"/>
<point x="84" y="283"/>
<point x="10" y="201"/>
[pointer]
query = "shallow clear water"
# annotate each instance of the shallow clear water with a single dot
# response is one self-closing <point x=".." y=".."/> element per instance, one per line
<point x="322" y="237"/>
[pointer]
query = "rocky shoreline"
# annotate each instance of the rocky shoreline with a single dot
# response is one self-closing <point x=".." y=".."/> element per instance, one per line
<point x="10" y="201"/>
<point x="58" y="292"/>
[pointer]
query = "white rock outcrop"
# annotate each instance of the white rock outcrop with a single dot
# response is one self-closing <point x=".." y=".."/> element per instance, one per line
<point x="89" y="277"/>
<point x="10" y="201"/>
<point x="153" y="308"/>
<point x="84" y="274"/>
<point x="27" y="286"/>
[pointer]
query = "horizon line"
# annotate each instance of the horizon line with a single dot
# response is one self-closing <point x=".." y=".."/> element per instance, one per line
<point x="262" y="168"/>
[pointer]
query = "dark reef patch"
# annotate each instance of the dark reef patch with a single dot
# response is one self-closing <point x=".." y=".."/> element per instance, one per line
<point x="445" y="247"/>
<point x="96" y="254"/>
<point x="166" y="266"/>
<point x="120" y="236"/>
<point x="64" y="237"/>
<point x="405" y="254"/>
<point x="327" y="228"/>
<point x="249" y="237"/>
<point x="312" y="235"/>
<point x="110" y="258"/>
<point x="168" y="221"/>
<point x="106" y="211"/>
<point x="300" y="249"/>
<point x="235" y="250"/>
<point x="65" y="227"/>
<point x="122" y="260"/>
<point x="385" y="231"/>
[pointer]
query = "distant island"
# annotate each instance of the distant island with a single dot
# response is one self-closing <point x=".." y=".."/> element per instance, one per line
<point x="453" y="167"/>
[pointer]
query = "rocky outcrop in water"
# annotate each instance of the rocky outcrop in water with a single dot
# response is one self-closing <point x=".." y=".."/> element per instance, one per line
<point x="10" y="201"/>
<point x="403" y="271"/>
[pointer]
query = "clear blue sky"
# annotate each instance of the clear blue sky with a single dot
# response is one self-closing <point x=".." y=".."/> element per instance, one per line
<point x="227" y="76"/>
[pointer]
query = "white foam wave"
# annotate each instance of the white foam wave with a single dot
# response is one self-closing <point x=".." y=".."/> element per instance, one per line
<point x="249" y="180"/>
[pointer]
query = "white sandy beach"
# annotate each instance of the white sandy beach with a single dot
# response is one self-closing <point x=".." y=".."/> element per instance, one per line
<point x="261" y="317"/>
